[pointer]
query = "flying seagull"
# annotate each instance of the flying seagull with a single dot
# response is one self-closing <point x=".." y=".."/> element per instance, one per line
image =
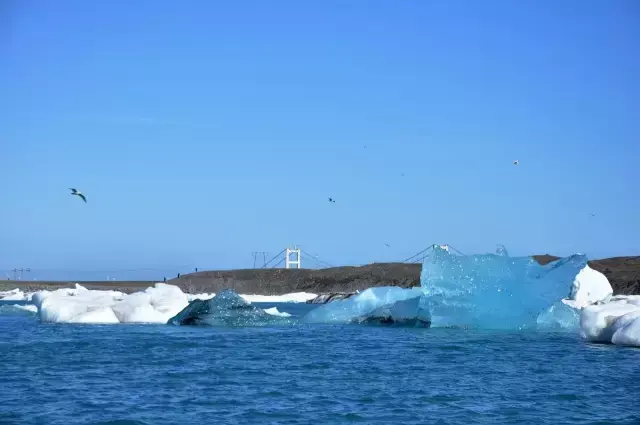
<point x="79" y="194"/>
<point x="516" y="162"/>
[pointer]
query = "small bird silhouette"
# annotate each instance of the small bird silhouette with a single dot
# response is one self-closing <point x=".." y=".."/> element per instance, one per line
<point x="332" y="200"/>
<point x="78" y="194"/>
<point x="387" y="245"/>
<point x="516" y="162"/>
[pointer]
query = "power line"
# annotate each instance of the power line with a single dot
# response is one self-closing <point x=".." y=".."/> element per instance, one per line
<point x="457" y="251"/>
<point x="418" y="254"/>
<point x="315" y="259"/>
<point x="276" y="256"/>
<point x="422" y="253"/>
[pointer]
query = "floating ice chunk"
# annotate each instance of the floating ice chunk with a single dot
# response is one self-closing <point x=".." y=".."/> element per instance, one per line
<point x="617" y="321"/>
<point x="357" y="307"/>
<point x="413" y="312"/>
<point x="205" y="296"/>
<point x="629" y="299"/>
<point x="560" y="316"/>
<point x="69" y="306"/>
<point x="99" y="315"/>
<point x="225" y="309"/>
<point x="494" y="291"/>
<point x="27" y="307"/>
<point x="13" y="295"/>
<point x="166" y="299"/>
<point x="275" y="312"/>
<point x="80" y="305"/>
<point x="18" y="309"/>
<point x="590" y="286"/>
<point x="295" y="297"/>
<point x="627" y="330"/>
<point x="154" y="305"/>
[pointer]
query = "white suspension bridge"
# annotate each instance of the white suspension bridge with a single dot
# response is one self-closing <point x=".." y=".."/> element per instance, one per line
<point x="291" y="257"/>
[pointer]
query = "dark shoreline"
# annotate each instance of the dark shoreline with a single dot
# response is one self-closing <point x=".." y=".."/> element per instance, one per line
<point x="623" y="274"/>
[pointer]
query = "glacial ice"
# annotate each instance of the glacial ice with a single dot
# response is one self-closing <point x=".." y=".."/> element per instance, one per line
<point x="154" y="305"/>
<point x="588" y="287"/>
<point x="203" y="296"/>
<point x="13" y="295"/>
<point x="18" y="309"/>
<point x="485" y="291"/>
<point x="615" y="321"/>
<point x="412" y="312"/>
<point x="275" y="312"/>
<point x="561" y="316"/>
<point x="294" y="297"/>
<point x="387" y="301"/>
<point x="494" y="291"/>
<point x="225" y="309"/>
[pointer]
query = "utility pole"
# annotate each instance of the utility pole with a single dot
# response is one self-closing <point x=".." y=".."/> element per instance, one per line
<point x="21" y="270"/>
<point x="255" y="257"/>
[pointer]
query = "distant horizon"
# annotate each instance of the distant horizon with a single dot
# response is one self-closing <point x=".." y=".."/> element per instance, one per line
<point x="150" y="274"/>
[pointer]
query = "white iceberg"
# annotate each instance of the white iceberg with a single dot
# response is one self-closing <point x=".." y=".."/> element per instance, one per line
<point x="80" y="305"/>
<point x="616" y="321"/>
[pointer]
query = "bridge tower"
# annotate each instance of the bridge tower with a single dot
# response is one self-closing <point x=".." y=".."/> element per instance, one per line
<point x="288" y="262"/>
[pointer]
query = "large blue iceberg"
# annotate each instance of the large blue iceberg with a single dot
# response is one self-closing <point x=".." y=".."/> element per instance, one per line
<point x="494" y="291"/>
<point x="490" y="291"/>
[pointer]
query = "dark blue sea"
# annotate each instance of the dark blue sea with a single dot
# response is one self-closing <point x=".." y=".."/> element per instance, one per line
<point x="308" y="374"/>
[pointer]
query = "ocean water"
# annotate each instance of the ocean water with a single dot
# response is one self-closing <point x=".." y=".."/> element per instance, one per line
<point x="308" y="374"/>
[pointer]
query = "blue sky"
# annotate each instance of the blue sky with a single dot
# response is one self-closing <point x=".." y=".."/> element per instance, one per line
<point x="202" y="131"/>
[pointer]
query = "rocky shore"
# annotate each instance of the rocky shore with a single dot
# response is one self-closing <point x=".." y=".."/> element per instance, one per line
<point x="331" y="283"/>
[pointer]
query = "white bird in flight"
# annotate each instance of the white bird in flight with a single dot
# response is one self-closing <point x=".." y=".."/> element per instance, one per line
<point x="79" y="194"/>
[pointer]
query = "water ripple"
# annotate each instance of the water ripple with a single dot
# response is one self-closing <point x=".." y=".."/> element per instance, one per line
<point x="75" y="374"/>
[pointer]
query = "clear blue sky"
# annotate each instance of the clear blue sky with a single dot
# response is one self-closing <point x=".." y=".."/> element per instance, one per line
<point x="201" y="131"/>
